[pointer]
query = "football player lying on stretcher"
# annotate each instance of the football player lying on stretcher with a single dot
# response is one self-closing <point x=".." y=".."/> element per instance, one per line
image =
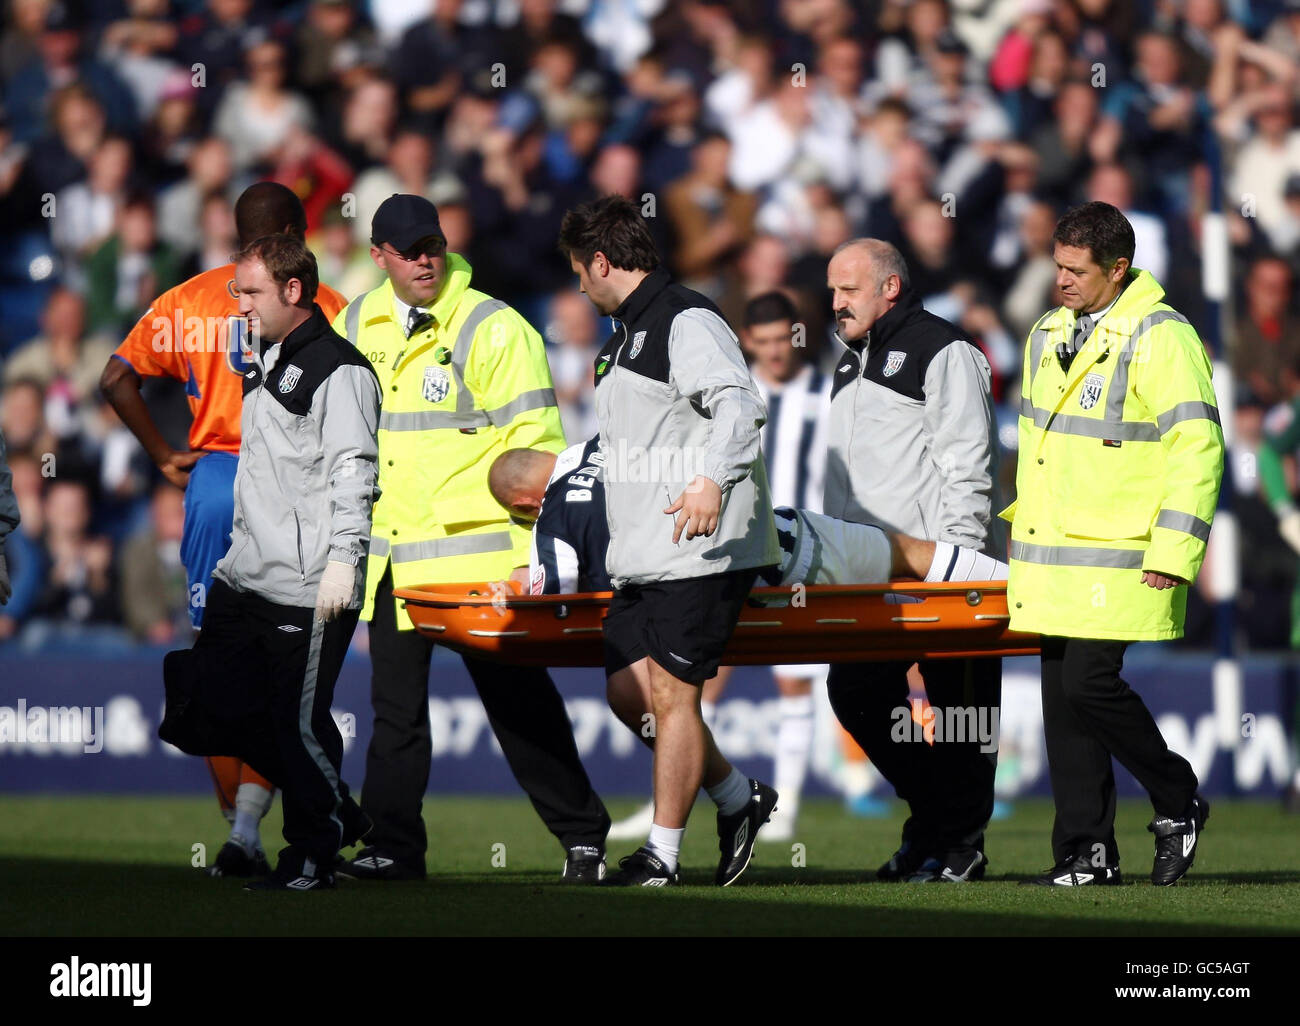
<point x="565" y="498"/>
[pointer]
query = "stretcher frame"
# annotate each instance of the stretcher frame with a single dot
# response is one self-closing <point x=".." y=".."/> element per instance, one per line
<point x="840" y="623"/>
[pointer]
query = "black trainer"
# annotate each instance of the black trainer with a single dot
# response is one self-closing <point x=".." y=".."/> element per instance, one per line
<point x="233" y="860"/>
<point x="1176" y="842"/>
<point x="957" y="866"/>
<point x="737" y="832"/>
<point x="292" y="880"/>
<point x="1078" y="871"/>
<point x="905" y="862"/>
<point x="643" y="868"/>
<point x="372" y="864"/>
<point x="585" y="864"/>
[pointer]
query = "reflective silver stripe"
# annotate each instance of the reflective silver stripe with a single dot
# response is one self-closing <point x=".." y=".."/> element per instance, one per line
<point x="1184" y="522"/>
<point x="1194" y="410"/>
<point x="1037" y="339"/>
<point x="379" y="547"/>
<point x="1089" y="427"/>
<point x="428" y="420"/>
<point x="436" y="548"/>
<point x="537" y="399"/>
<point x="306" y="706"/>
<point x="352" y="319"/>
<point x="1119" y="377"/>
<point x="1077" y="555"/>
<point x="464" y="342"/>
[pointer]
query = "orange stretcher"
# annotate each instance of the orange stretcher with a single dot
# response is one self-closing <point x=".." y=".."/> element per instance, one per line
<point x="821" y="624"/>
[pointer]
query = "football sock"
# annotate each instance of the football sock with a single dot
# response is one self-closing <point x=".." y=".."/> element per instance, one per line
<point x="666" y="844"/>
<point x="251" y="803"/>
<point x="731" y="794"/>
<point x="957" y="563"/>
<point x="794" y="738"/>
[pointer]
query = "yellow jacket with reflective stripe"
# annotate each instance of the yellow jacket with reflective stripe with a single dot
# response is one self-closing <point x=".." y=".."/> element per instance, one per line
<point x="1118" y="472"/>
<point x="455" y="396"/>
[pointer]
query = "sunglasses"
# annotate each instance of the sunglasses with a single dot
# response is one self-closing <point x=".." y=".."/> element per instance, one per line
<point x="432" y="248"/>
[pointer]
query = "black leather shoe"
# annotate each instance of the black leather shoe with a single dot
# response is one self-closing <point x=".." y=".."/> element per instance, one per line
<point x="1176" y="841"/>
<point x="1078" y="871"/>
<point x="372" y="864"/>
<point x="737" y="833"/>
<point x="643" y="868"/>
<point x="585" y="864"/>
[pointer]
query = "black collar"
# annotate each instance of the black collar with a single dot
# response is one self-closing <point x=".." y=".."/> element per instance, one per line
<point x="894" y="319"/>
<point x="635" y="304"/>
<point x="309" y="329"/>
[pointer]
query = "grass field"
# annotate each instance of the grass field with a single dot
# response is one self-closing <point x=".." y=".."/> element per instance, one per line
<point x="89" y="866"/>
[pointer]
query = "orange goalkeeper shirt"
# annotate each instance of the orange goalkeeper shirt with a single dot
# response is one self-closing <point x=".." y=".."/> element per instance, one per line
<point x="194" y="333"/>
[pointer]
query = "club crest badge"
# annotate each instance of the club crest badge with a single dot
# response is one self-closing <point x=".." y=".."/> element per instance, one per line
<point x="893" y="362"/>
<point x="638" y="341"/>
<point x="1091" y="393"/>
<point x="436" y="384"/>
<point x="289" y="379"/>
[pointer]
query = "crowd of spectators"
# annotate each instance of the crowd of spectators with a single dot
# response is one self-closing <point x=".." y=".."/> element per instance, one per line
<point x="757" y="135"/>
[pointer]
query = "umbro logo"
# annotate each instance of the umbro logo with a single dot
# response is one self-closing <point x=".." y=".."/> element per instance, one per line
<point x="655" y="881"/>
<point x="742" y="836"/>
<point x="302" y="883"/>
<point x="1189" y="842"/>
<point x="289" y="628"/>
<point x="846" y="367"/>
<point x="373" y="862"/>
<point x="1073" y="879"/>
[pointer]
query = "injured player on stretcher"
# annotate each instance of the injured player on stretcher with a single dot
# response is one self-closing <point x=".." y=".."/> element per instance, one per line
<point x="565" y="497"/>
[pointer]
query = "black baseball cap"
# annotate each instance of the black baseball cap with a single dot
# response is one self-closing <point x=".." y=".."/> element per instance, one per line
<point x="402" y="220"/>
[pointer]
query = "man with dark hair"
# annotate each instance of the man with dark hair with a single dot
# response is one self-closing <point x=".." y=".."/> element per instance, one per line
<point x="679" y="416"/>
<point x="285" y="599"/>
<point x="195" y="333"/>
<point x="1121" y="455"/>
<point x="912" y="450"/>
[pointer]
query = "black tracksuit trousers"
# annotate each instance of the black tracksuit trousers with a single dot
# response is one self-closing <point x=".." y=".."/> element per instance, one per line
<point x="948" y="786"/>
<point x="257" y="685"/>
<point x="1090" y="715"/>
<point x="527" y="716"/>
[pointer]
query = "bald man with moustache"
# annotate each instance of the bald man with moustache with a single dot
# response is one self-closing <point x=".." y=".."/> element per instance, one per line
<point x="913" y="450"/>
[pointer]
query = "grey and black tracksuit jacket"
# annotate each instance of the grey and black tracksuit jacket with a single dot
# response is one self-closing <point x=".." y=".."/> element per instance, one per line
<point x="260" y="679"/>
<point x="308" y="466"/>
<point x="913" y="445"/>
<point x="674" y="400"/>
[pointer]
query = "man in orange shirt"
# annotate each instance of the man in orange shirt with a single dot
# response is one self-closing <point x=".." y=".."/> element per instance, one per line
<point x="194" y="333"/>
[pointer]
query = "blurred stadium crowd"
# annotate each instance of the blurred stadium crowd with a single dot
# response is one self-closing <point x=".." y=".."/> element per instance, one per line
<point x="756" y="135"/>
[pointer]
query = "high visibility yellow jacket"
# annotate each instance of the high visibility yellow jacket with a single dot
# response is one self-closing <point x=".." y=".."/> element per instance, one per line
<point x="456" y="395"/>
<point x="1119" y="468"/>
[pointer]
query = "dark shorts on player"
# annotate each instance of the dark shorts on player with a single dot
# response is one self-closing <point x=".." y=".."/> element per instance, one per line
<point x="682" y="625"/>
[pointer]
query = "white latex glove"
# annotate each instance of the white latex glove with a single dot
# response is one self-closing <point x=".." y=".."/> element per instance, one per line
<point x="6" y="589"/>
<point x="1289" y="528"/>
<point x="335" y="592"/>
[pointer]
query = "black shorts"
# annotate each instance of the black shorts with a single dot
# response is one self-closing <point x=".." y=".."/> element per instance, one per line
<point x="682" y="625"/>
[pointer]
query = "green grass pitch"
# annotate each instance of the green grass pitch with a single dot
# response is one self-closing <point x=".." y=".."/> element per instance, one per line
<point x="114" y="866"/>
